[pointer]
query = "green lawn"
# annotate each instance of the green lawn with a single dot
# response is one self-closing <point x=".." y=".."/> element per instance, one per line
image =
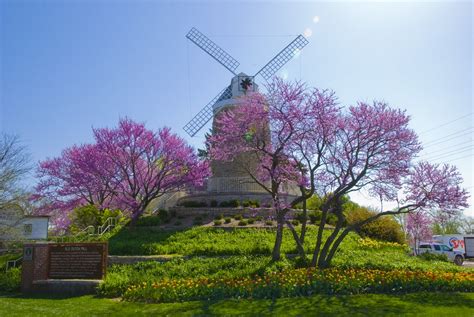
<point x="418" y="304"/>
<point x="208" y="241"/>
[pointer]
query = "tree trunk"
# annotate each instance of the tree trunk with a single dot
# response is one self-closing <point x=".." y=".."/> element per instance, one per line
<point x="303" y="225"/>
<point x="334" y="248"/>
<point x="330" y="239"/>
<point x="299" y="244"/>
<point x="319" y="238"/>
<point x="278" y="240"/>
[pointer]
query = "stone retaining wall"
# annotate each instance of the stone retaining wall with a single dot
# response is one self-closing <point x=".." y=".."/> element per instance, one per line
<point x="215" y="211"/>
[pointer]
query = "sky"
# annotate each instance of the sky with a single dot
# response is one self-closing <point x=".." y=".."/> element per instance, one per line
<point x="69" y="66"/>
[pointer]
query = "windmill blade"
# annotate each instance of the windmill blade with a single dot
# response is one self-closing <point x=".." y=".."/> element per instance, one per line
<point x="283" y="57"/>
<point x="213" y="50"/>
<point x="206" y="113"/>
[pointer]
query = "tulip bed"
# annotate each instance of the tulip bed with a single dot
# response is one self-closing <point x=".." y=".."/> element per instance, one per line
<point x="301" y="282"/>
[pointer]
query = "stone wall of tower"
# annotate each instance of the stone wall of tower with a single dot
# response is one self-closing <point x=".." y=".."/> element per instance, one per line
<point x="233" y="176"/>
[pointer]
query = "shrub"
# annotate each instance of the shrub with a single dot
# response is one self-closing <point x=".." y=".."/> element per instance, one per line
<point x="193" y="204"/>
<point x="251" y="221"/>
<point x="219" y="217"/>
<point x="217" y="222"/>
<point x="227" y="220"/>
<point x="198" y="220"/>
<point x="163" y="214"/>
<point x="269" y="222"/>
<point x="213" y="203"/>
<point x="251" y="203"/>
<point x="84" y="216"/>
<point x="295" y="222"/>
<point x="428" y="256"/>
<point x="10" y="280"/>
<point x="331" y="219"/>
<point x="243" y="222"/>
<point x="300" y="216"/>
<point x="238" y="217"/>
<point x="315" y="216"/>
<point x="385" y="228"/>
<point x="231" y="203"/>
<point x="259" y="218"/>
<point x="148" y="221"/>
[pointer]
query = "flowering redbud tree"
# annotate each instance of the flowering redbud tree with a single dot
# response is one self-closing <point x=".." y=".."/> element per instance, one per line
<point x="127" y="167"/>
<point x="301" y="137"/>
<point x="148" y="164"/>
<point x="82" y="175"/>
<point x="272" y="128"/>
<point x="418" y="228"/>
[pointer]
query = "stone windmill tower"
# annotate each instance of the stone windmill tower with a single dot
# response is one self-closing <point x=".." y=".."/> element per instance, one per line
<point x="229" y="180"/>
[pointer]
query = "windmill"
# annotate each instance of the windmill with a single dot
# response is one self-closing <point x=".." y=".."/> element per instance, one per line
<point x="240" y="82"/>
<point x="227" y="179"/>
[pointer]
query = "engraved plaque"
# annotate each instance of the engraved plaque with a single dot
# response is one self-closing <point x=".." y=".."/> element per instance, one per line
<point x="77" y="260"/>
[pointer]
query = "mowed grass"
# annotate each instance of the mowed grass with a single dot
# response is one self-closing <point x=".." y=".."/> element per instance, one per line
<point x="416" y="304"/>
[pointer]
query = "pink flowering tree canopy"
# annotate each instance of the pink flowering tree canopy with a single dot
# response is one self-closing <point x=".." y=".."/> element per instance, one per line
<point x="148" y="164"/>
<point x="302" y="137"/>
<point x="127" y="167"/>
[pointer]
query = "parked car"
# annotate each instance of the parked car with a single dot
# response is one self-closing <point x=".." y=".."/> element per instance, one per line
<point x="436" y="248"/>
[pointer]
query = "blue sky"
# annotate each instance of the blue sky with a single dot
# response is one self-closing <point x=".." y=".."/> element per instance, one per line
<point x="68" y="66"/>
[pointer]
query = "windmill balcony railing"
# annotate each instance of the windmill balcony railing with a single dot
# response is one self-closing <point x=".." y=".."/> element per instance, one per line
<point x="233" y="184"/>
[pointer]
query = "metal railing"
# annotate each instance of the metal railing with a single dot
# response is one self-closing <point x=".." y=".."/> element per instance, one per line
<point x="13" y="263"/>
<point x="90" y="231"/>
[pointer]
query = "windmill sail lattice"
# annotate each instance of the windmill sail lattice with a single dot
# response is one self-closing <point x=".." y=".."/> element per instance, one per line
<point x="212" y="49"/>
<point x="206" y="113"/>
<point x="283" y="57"/>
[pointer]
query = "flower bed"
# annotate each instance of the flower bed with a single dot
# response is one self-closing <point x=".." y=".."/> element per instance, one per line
<point x="301" y="282"/>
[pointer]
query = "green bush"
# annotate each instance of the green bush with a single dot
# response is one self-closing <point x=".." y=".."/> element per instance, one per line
<point x="219" y="217"/>
<point x="251" y="221"/>
<point x="148" y="221"/>
<point x="243" y="222"/>
<point x="231" y="203"/>
<point x="238" y="217"/>
<point x="269" y="222"/>
<point x="315" y="216"/>
<point x="84" y="216"/>
<point x="385" y="228"/>
<point x="428" y="256"/>
<point x="259" y="218"/>
<point x="217" y="222"/>
<point x="251" y="203"/>
<point x="300" y="216"/>
<point x="90" y="215"/>
<point x="331" y="219"/>
<point x="228" y="220"/>
<point x="10" y="280"/>
<point x="295" y="222"/>
<point x="193" y="204"/>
